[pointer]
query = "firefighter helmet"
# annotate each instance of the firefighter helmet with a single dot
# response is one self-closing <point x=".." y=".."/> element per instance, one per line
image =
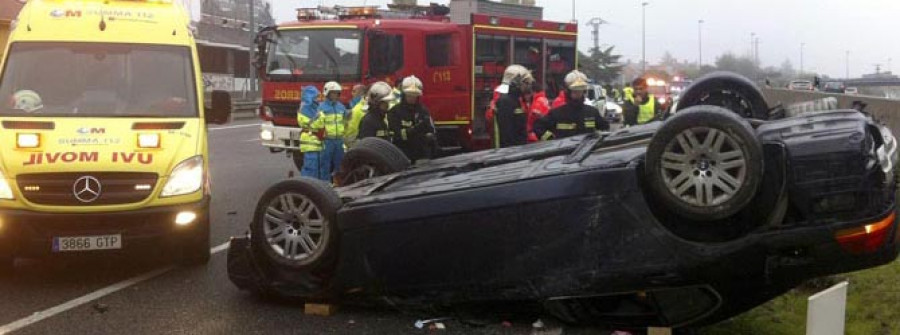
<point x="381" y="91"/>
<point x="517" y="75"/>
<point x="576" y="81"/>
<point x="412" y="86"/>
<point x="28" y="101"/>
<point x="332" y="86"/>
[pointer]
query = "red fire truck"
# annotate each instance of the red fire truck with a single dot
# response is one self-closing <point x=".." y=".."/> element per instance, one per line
<point x="460" y="64"/>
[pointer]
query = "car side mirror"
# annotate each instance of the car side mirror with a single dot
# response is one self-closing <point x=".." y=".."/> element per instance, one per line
<point x="220" y="110"/>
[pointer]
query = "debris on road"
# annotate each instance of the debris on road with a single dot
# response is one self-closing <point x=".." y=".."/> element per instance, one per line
<point x="421" y="323"/>
<point x="100" y="308"/>
<point x="320" y="309"/>
<point x="538" y="324"/>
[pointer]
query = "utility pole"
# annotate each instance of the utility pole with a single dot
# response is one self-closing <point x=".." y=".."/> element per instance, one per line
<point x="847" y="74"/>
<point x="699" y="44"/>
<point x="595" y="24"/>
<point x="752" y="38"/>
<point x="252" y="20"/>
<point x="644" y="37"/>
<point x="756" y="51"/>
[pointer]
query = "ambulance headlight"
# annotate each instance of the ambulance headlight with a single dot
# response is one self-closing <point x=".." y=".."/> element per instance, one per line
<point x="28" y="140"/>
<point x="186" y="178"/>
<point x="5" y="190"/>
<point x="148" y="141"/>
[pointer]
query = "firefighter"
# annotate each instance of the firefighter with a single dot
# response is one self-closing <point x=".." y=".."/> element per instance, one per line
<point x="573" y="118"/>
<point x="642" y="107"/>
<point x="310" y="145"/>
<point x="511" y="119"/>
<point x="374" y="123"/>
<point x="330" y="125"/>
<point x="410" y="122"/>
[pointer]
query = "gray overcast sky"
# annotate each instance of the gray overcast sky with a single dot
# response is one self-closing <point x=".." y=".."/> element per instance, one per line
<point x="828" y="27"/>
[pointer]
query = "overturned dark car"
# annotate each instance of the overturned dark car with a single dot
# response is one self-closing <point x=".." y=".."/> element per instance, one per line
<point x="724" y="205"/>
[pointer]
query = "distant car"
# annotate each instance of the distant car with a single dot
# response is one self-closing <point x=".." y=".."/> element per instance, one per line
<point x="685" y="221"/>
<point x="851" y="91"/>
<point x="834" y="87"/>
<point x="596" y="96"/>
<point x="613" y="112"/>
<point x="800" y="85"/>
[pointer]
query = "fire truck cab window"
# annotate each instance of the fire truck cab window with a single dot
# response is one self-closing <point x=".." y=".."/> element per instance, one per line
<point x="385" y="53"/>
<point x="312" y="54"/>
<point x="441" y="50"/>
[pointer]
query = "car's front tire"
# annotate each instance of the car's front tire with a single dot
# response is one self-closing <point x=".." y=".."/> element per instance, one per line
<point x="705" y="163"/>
<point x="728" y="90"/>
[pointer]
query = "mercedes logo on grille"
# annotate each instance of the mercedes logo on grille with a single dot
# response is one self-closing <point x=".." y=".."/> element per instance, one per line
<point x="86" y="189"/>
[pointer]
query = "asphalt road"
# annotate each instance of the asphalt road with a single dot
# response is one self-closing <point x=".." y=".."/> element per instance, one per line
<point x="142" y="293"/>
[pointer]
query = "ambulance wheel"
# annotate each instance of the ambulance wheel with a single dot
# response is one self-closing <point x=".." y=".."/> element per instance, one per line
<point x="297" y="157"/>
<point x="371" y="157"/>
<point x="728" y="90"/>
<point x="704" y="164"/>
<point x="195" y="246"/>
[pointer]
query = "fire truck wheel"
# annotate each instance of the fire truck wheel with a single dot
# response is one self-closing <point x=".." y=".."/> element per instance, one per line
<point x="729" y="90"/>
<point x="705" y="163"/>
<point x="371" y="157"/>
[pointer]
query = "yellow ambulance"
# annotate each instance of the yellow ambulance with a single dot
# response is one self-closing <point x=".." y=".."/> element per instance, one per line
<point x="103" y="131"/>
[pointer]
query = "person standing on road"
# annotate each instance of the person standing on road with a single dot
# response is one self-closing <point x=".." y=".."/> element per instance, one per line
<point x="310" y="145"/>
<point x="356" y="114"/>
<point x="573" y="118"/>
<point x="642" y="107"/>
<point x="330" y="124"/>
<point x="627" y="92"/>
<point x="511" y="119"/>
<point x="411" y="122"/>
<point x="359" y="91"/>
<point x="374" y="123"/>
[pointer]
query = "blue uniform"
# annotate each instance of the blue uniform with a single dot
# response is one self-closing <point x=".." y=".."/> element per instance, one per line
<point x="309" y="143"/>
<point x="331" y="120"/>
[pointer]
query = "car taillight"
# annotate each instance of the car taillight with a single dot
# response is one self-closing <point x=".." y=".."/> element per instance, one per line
<point x="866" y="239"/>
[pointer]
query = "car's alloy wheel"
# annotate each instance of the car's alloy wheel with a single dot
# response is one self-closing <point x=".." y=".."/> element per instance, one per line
<point x="295" y="228"/>
<point x="360" y="173"/>
<point x="704" y="166"/>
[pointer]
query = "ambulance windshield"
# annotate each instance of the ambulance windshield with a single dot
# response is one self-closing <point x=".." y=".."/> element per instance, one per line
<point x="98" y="80"/>
<point x="314" y="54"/>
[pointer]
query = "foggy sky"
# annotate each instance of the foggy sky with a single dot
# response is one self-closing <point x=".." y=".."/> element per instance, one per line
<point x="828" y="27"/>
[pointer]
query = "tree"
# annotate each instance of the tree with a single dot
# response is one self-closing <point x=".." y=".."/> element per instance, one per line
<point x="741" y="65"/>
<point x="787" y="69"/>
<point x="668" y="60"/>
<point x="602" y="65"/>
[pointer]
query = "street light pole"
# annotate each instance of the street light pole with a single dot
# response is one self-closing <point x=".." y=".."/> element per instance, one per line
<point x="801" y="58"/>
<point x="699" y="43"/>
<point x="644" y="37"/>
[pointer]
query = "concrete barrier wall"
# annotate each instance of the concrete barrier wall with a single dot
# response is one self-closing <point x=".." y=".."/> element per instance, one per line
<point x="885" y="110"/>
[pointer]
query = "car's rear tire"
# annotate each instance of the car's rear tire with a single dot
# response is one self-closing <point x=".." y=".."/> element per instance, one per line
<point x="195" y="248"/>
<point x="297" y="157"/>
<point x="295" y="236"/>
<point x="728" y="90"/>
<point x="704" y="164"/>
<point x="371" y="157"/>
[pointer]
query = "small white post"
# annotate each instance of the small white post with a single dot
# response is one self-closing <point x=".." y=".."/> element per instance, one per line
<point x="826" y="311"/>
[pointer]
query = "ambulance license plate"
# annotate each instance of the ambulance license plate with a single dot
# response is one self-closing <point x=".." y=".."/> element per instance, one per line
<point x="86" y="243"/>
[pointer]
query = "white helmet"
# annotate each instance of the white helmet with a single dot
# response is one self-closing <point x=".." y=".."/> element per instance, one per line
<point x="576" y="81"/>
<point x="381" y="91"/>
<point x="516" y="75"/>
<point x="412" y="86"/>
<point x="28" y="101"/>
<point x="332" y="86"/>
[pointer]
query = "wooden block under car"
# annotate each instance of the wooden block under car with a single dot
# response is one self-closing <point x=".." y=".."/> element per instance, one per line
<point x="659" y="331"/>
<point x="320" y="309"/>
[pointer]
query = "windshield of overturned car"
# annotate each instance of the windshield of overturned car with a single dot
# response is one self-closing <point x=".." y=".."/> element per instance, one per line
<point x="314" y="54"/>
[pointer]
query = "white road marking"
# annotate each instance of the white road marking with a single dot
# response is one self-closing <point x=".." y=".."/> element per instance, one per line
<point x="253" y="140"/>
<point x="237" y="126"/>
<point x="50" y="312"/>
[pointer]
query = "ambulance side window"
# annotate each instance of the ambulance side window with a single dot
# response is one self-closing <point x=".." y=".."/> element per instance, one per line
<point x="385" y="53"/>
<point x="441" y="50"/>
